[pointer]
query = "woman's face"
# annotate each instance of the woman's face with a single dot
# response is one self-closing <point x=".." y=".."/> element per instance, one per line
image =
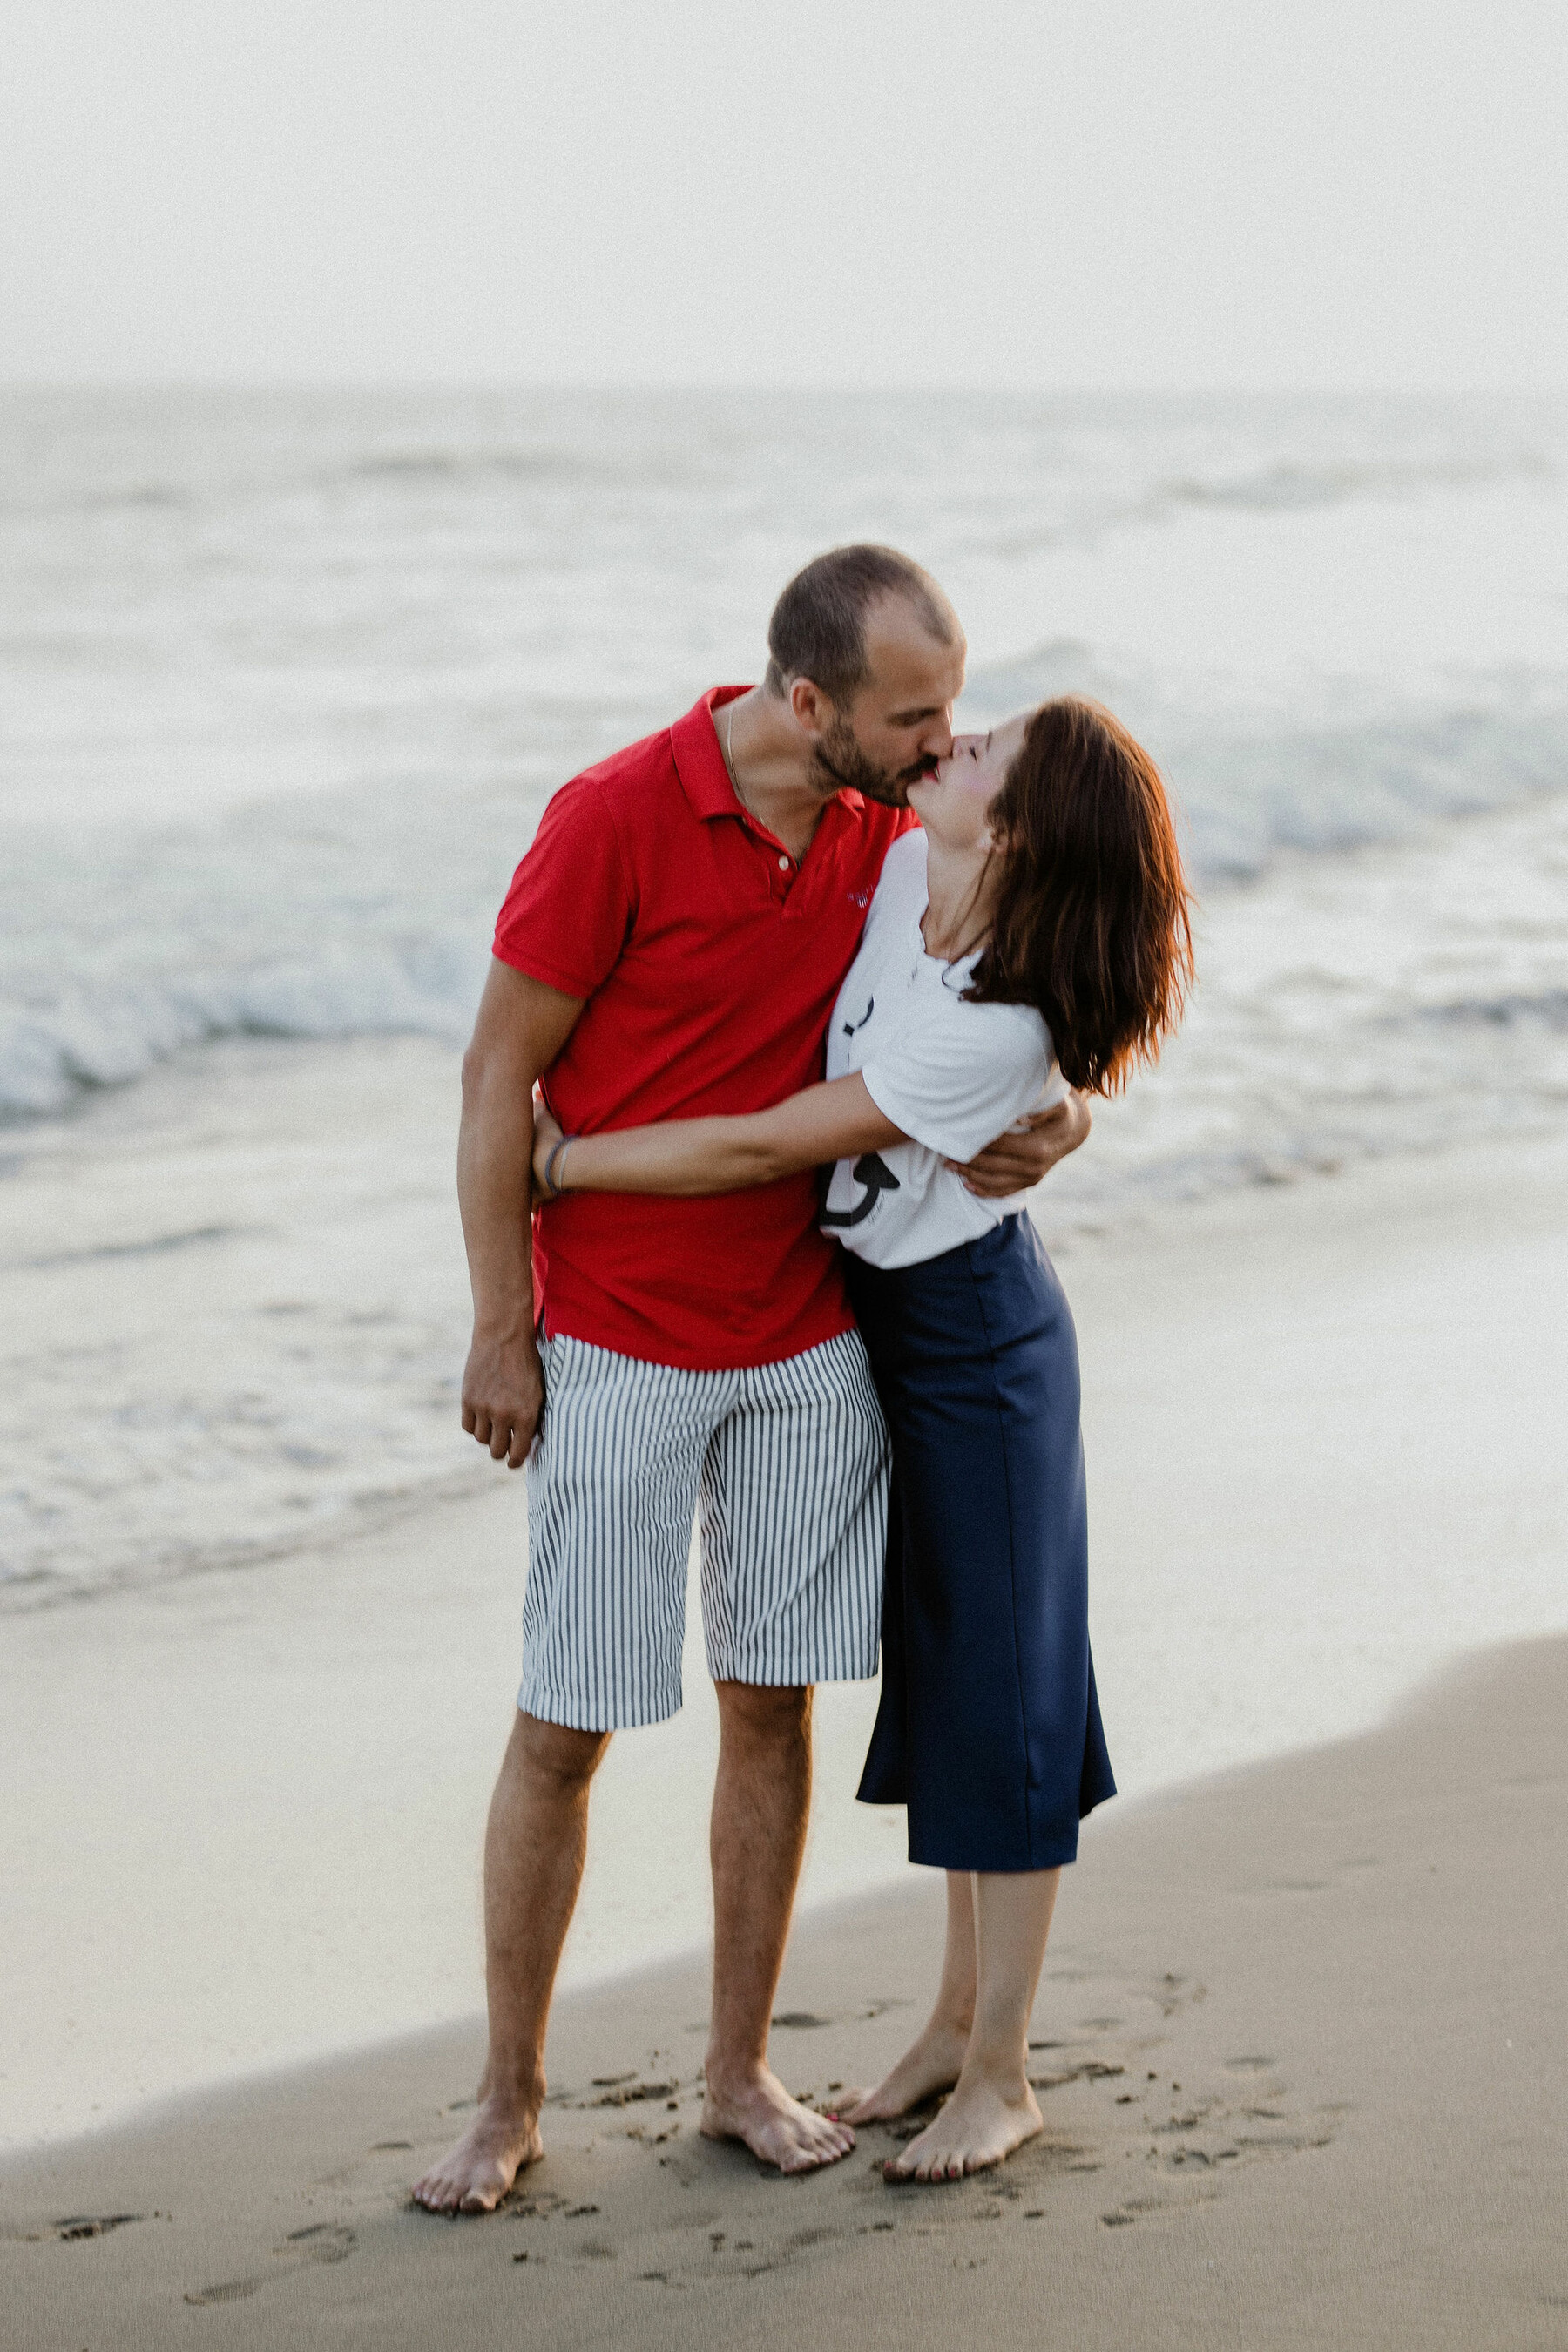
<point x="954" y="801"/>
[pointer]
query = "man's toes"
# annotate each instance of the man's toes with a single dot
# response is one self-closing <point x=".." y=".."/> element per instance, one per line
<point x="809" y="2155"/>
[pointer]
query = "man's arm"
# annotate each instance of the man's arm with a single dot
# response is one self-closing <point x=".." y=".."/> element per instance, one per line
<point x="522" y="1027"/>
<point x="1015" y="1161"/>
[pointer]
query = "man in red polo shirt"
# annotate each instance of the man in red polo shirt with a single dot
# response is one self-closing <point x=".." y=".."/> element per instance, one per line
<point x="671" y="947"/>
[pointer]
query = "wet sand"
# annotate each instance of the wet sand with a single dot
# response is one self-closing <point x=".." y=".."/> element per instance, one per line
<point x="244" y="1808"/>
<point x="1302" y="2050"/>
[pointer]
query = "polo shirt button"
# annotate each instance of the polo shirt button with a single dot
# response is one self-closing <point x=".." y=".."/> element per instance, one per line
<point x="783" y="864"/>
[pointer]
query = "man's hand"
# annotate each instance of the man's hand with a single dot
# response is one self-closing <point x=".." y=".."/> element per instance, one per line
<point x="520" y="1029"/>
<point x="503" y="1396"/>
<point x="1021" y="1157"/>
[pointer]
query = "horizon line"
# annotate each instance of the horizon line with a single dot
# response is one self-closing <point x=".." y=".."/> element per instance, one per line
<point x="653" y="387"/>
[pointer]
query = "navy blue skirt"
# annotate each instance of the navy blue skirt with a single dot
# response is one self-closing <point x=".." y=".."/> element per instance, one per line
<point x="989" y="1727"/>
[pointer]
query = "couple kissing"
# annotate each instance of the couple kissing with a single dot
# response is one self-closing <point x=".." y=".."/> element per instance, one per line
<point x="812" y="991"/>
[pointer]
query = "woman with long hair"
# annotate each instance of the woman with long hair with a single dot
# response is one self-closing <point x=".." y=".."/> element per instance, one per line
<point x="1032" y="933"/>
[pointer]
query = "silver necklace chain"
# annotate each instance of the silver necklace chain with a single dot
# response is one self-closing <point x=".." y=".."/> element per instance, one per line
<point x="730" y="759"/>
<point x="729" y="765"/>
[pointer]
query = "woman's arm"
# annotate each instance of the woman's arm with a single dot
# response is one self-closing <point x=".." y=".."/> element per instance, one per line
<point x="686" y="1156"/>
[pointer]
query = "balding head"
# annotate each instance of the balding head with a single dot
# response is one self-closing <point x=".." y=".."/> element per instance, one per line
<point x="866" y="655"/>
<point x="820" y="625"/>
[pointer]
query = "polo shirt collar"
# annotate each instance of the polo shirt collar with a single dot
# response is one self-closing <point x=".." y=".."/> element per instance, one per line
<point x="699" y="763"/>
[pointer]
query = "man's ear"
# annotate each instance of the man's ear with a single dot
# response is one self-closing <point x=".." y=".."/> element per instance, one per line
<point x="812" y="710"/>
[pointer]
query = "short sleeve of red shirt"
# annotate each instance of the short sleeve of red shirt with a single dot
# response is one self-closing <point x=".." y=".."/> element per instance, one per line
<point x="565" y="917"/>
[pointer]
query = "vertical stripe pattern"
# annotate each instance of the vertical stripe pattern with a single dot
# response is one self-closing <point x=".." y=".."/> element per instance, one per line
<point x="783" y="1465"/>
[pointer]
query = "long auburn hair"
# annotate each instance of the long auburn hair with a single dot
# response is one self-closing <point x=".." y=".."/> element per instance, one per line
<point x="1092" y="919"/>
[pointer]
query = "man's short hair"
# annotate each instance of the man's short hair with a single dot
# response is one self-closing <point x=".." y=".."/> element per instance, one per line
<point x="818" y="628"/>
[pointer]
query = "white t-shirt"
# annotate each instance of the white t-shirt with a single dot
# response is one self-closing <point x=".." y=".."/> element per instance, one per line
<point x="953" y="1075"/>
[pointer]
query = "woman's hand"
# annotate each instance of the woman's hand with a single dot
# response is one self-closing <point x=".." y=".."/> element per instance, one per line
<point x="546" y="1136"/>
<point x="1023" y="1155"/>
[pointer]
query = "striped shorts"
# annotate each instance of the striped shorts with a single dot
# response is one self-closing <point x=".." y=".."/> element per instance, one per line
<point x="784" y="1469"/>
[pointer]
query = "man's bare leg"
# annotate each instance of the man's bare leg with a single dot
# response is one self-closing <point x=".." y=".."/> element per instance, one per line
<point x="762" y="1800"/>
<point x="934" y="2061"/>
<point x="535" y="1843"/>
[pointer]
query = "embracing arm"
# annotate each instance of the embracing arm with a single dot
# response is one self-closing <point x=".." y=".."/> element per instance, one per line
<point x="689" y="1156"/>
<point x="522" y="1027"/>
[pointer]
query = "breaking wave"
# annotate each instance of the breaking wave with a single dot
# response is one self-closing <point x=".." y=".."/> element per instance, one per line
<point x="52" y="1055"/>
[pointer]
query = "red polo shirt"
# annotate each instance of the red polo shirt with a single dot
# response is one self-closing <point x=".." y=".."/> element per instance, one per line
<point x="709" y="962"/>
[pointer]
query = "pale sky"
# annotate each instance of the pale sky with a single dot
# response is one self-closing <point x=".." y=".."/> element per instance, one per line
<point x="1138" y="192"/>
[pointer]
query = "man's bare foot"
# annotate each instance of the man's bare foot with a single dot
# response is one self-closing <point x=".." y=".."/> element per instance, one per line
<point x="932" y="2064"/>
<point x="774" y="2127"/>
<point x="474" y="2175"/>
<point x="978" y="2127"/>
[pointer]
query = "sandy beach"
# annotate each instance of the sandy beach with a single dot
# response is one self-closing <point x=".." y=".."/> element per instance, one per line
<point x="1323" y="1425"/>
<point x="385" y="467"/>
<point x="247" y="1807"/>
<point x="1300" y="2048"/>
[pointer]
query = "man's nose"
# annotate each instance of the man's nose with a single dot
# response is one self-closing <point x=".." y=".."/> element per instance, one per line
<point x="937" y="741"/>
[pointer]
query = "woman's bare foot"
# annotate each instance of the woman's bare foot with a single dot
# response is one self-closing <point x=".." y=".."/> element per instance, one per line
<point x="979" y="2126"/>
<point x="775" y="2127"/>
<point x="474" y="2175"/>
<point x="930" y="2064"/>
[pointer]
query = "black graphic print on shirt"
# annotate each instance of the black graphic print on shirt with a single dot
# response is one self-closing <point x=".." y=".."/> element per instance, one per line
<point x="874" y="1172"/>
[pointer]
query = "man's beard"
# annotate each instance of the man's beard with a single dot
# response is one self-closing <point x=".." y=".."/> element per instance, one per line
<point x="842" y="766"/>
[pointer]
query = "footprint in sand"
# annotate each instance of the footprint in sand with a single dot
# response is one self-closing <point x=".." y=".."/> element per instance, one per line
<point x="320" y="2242"/>
<point x="91" y="2225"/>
<point x="230" y="2291"/>
<point x="628" y="2091"/>
<point x="324" y="2241"/>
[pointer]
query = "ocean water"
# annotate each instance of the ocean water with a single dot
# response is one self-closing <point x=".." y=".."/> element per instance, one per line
<point x="285" y="681"/>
